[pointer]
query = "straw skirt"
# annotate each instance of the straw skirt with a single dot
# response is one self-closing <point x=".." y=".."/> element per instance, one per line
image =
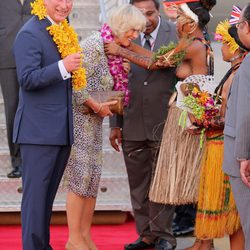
<point x="177" y="172"/>
<point x="216" y="213"/>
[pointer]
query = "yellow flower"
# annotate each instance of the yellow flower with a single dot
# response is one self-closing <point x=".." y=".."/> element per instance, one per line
<point x="38" y="9"/>
<point x="195" y="90"/>
<point x="66" y="40"/>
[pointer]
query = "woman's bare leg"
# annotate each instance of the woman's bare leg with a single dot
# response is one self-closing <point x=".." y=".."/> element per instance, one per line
<point x="86" y="221"/>
<point x="237" y="240"/>
<point x="75" y="206"/>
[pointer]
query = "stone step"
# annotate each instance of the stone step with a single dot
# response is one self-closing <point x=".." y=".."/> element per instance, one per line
<point x="5" y="163"/>
<point x="85" y="2"/>
<point x="85" y="16"/>
<point x="2" y="114"/>
<point x="85" y="32"/>
<point x="113" y="194"/>
<point x="113" y="190"/>
<point x="3" y="137"/>
<point x="113" y="163"/>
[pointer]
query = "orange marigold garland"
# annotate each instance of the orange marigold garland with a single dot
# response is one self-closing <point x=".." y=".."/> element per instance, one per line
<point x="66" y="40"/>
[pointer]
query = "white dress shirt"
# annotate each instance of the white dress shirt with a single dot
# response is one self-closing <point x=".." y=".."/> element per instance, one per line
<point x="153" y="36"/>
<point x="64" y="73"/>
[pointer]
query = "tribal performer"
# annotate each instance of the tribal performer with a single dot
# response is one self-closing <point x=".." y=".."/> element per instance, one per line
<point x="178" y="167"/>
<point x="180" y="149"/>
<point x="216" y="213"/>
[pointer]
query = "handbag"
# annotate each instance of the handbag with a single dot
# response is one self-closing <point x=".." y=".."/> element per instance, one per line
<point x="106" y="96"/>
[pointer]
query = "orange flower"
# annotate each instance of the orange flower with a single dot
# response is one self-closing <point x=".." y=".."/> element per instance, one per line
<point x="203" y="97"/>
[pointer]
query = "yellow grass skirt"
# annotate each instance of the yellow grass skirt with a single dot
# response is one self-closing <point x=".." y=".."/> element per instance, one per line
<point x="216" y="212"/>
<point x="177" y="173"/>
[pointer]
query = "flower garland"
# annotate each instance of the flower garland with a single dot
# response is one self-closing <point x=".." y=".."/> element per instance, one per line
<point x="115" y="64"/>
<point x="66" y="40"/>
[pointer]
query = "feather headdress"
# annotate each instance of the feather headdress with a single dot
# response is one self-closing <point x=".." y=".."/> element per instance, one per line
<point x="222" y="34"/>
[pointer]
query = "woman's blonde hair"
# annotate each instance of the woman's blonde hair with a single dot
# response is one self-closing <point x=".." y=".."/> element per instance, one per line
<point x="125" y="18"/>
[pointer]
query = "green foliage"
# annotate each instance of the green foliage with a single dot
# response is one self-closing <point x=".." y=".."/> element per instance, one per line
<point x="176" y="58"/>
<point x="163" y="50"/>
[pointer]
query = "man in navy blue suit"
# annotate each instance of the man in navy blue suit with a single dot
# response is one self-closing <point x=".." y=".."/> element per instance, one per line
<point x="43" y="122"/>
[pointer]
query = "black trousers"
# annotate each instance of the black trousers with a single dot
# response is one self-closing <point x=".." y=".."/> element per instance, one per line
<point x="10" y="90"/>
<point x="152" y="220"/>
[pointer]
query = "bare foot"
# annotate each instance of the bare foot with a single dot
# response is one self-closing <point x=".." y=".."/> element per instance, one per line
<point x="196" y="245"/>
<point x="76" y="246"/>
<point x="207" y="245"/>
<point x="90" y="243"/>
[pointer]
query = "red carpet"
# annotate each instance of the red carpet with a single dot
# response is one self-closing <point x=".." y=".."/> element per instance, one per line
<point x="107" y="237"/>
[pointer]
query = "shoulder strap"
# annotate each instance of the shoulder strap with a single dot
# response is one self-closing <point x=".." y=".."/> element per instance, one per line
<point x="210" y="57"/>
<point x="219" y="88"/>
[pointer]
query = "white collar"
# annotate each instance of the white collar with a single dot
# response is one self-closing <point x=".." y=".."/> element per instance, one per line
<point x="51" y="20"/>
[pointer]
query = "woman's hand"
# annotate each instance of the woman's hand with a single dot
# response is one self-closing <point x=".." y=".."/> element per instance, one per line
<point x="194" y="130"/>
<point x="103" y="109"/>
<point x="217" y="123"/>
<point x="165" y="61"/>
<point x="111" y="48"/>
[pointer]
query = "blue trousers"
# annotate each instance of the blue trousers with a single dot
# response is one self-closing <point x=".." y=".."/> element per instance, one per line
<point x="43" y="167"/>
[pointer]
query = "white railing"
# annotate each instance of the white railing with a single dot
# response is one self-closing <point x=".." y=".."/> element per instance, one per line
<point x="108" y="5"/>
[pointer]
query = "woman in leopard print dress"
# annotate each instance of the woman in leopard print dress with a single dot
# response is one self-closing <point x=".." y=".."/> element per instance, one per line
<point x="84" y="167"/>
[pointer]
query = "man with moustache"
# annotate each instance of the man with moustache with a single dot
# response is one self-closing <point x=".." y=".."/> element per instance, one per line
<point x="140" y="130"/>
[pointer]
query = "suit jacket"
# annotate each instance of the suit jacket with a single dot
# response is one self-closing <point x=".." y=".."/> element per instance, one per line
<point x="44" y="113"/>
<point x="12" y="17"/>
<point x="237" y="121"/>
<point x="150" y="91"/>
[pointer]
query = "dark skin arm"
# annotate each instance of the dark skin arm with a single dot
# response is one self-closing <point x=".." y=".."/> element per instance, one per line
<point x="134" y="53"/>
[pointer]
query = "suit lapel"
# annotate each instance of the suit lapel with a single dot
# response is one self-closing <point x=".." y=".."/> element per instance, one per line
<point x="145" y="72"/>
<point x="162" y="37"/>
<point x="138" y="41"/>
<point x="44" y="24"/>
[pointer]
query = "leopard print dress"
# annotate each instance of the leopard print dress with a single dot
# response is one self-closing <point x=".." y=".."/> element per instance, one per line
<point x="84" y="166"/>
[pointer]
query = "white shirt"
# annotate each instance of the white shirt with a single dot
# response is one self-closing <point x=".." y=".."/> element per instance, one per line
<point x="153" y="36"/>
<point x="64" y="73"/>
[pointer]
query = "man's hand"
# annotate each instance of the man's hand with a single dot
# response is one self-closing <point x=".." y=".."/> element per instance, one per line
<point x="115" y="138"/>
<point x="111" y="48"/>
<point x="72" y="62"/>
<point x="245" y="172"/>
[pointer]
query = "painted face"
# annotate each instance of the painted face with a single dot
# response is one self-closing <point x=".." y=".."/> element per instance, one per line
<point x="170" y="11"/>
<point x="150" y="12"/>
<point x="243" y="29"/>
<point x="58" y="10"/>
<point x="129" y="36"/>
<point x="182" y="24"/>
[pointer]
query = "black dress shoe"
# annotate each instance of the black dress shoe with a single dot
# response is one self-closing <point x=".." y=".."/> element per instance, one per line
<point x="162" y="244"/>
<point x="183" y="230"/>
<point x="139" y="245"/>
<point x="16" y="173"/>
